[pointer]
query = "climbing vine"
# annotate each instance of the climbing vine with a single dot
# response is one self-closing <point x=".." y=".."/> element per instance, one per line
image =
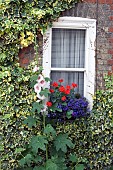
<point x="21" y="20"/>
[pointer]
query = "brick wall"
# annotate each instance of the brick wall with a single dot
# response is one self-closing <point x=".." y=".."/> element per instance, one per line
<point x="103" y="13"/>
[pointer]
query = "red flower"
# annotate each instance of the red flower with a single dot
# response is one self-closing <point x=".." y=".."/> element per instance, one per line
<point x="63" y="98"/>
<point x="74" y="85"/>
<point x="62" y="89"/>
<point x="60" y="80"/>
<point x="51" y="91"/>
<point x="68" y="87"/>
<point x="55" y="84"/>
<point x="49" y="104"/>
<point x="67" y="91"/>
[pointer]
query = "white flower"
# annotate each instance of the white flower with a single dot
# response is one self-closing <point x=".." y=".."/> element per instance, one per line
<point x="37" y="88"/>
<point x="40" y="97"/>
<point x="41" y="81"/>
<point x="40" y="78"/>
<point x="35" y="69"/>
<point x="44" y="109"/>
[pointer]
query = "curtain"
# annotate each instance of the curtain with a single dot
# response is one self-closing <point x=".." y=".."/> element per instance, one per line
<point x="68" y="51"/>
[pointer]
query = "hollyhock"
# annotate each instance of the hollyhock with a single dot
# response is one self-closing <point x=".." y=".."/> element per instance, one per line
<point x="40" y="78"/>
<point x="37" y="88"/>
<point x="35" y="69"/>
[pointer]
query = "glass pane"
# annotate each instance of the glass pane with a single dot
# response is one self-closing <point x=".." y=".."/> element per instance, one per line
<point x="68" y="48"/>
<point x="69" y="78"/>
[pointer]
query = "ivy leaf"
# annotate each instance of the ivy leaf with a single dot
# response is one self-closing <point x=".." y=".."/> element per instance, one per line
<point x="49" y="130"/>
<point x="19" y="150"/>
<point x="37" y="159"/>
<point x="62" y="141"/>
<point x="30" y="121"/>
<point x="38" y="142"/>
<point x="50" y="165"/>
<point x="79" y="167"/>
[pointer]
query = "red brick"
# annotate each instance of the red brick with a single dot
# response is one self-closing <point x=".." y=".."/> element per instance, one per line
<point x="109" y="1"/>
<point x="110" y="29"/>
<point x="110" y="62"/>
<point x="110" y="73"/>
<point x="91" y="1"/>
<point x="111" y="40"/>
<point x="110" y="51"/>
<point x="102" y="1"/>
<point x="25" y="61"/>
<point x="111" y="7"/>
<point x="111" y="17"/>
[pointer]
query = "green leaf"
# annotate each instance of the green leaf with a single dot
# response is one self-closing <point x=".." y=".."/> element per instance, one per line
<point x="45" y="92"/>
<point x="26" y="160"/>
<point x="39" y="168"/>
<point x="62" y="141"/>
<point x="49" y="130"/>
<point x="38" y="142"/>
<point x="73" y="158"/>
<point x="79" y="167"/>
<point x="37" y="159"/>
<point x="69" y="114"/>
<point x="50" y="165"/>
<point x="30" y="121"/>
<point x="37" y="107"/>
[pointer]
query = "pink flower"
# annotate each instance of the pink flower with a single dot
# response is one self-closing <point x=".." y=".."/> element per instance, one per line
<point x="35" y="69"/>
<point x="37" y="88"/>
<point x="40" y="78"/>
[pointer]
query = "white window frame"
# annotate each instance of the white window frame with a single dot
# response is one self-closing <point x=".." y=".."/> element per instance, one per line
<point x="89" y="69"/>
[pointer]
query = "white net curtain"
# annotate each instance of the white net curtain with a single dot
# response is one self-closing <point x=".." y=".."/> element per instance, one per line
<point x="68" y="51"/>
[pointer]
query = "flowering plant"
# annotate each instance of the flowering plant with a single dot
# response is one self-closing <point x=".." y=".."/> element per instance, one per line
<point x="65" y="103"/>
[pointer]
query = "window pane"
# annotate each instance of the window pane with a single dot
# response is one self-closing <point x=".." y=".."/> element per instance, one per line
<point x="69" y="78"/>
<point x="68" y="48"/>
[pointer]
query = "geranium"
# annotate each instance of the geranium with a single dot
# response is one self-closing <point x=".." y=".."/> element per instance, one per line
<point x="55" y="84"/>
<point x="49" y="104"/>
<point x="60" y="80"/>
<point x="65" y="102"/>
<point x="63" y="98"/>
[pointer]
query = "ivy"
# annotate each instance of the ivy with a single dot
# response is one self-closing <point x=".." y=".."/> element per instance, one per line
<point x="21" y="21"/>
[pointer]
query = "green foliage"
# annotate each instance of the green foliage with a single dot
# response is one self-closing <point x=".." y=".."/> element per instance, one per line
<point x="62" y="142"/>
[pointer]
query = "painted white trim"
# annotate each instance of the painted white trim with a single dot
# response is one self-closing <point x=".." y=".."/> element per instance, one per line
<point x="69" y="69"/>
<point x="89" y="71"/>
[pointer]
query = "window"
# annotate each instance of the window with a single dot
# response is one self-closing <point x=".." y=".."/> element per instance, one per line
<point x="69" y="53"/>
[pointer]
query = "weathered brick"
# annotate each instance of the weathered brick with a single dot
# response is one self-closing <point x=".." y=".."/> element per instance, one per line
<point x="111" y="40"/>
<point x="110" y="51"/>
<point x="110" y="62"/>
<point x="111" y="18"/>
<point x="110" y="29"/>
<point x="109" y="2"/>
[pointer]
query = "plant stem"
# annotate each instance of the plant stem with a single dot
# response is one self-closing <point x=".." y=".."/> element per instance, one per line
<point x="44" y="123"/>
